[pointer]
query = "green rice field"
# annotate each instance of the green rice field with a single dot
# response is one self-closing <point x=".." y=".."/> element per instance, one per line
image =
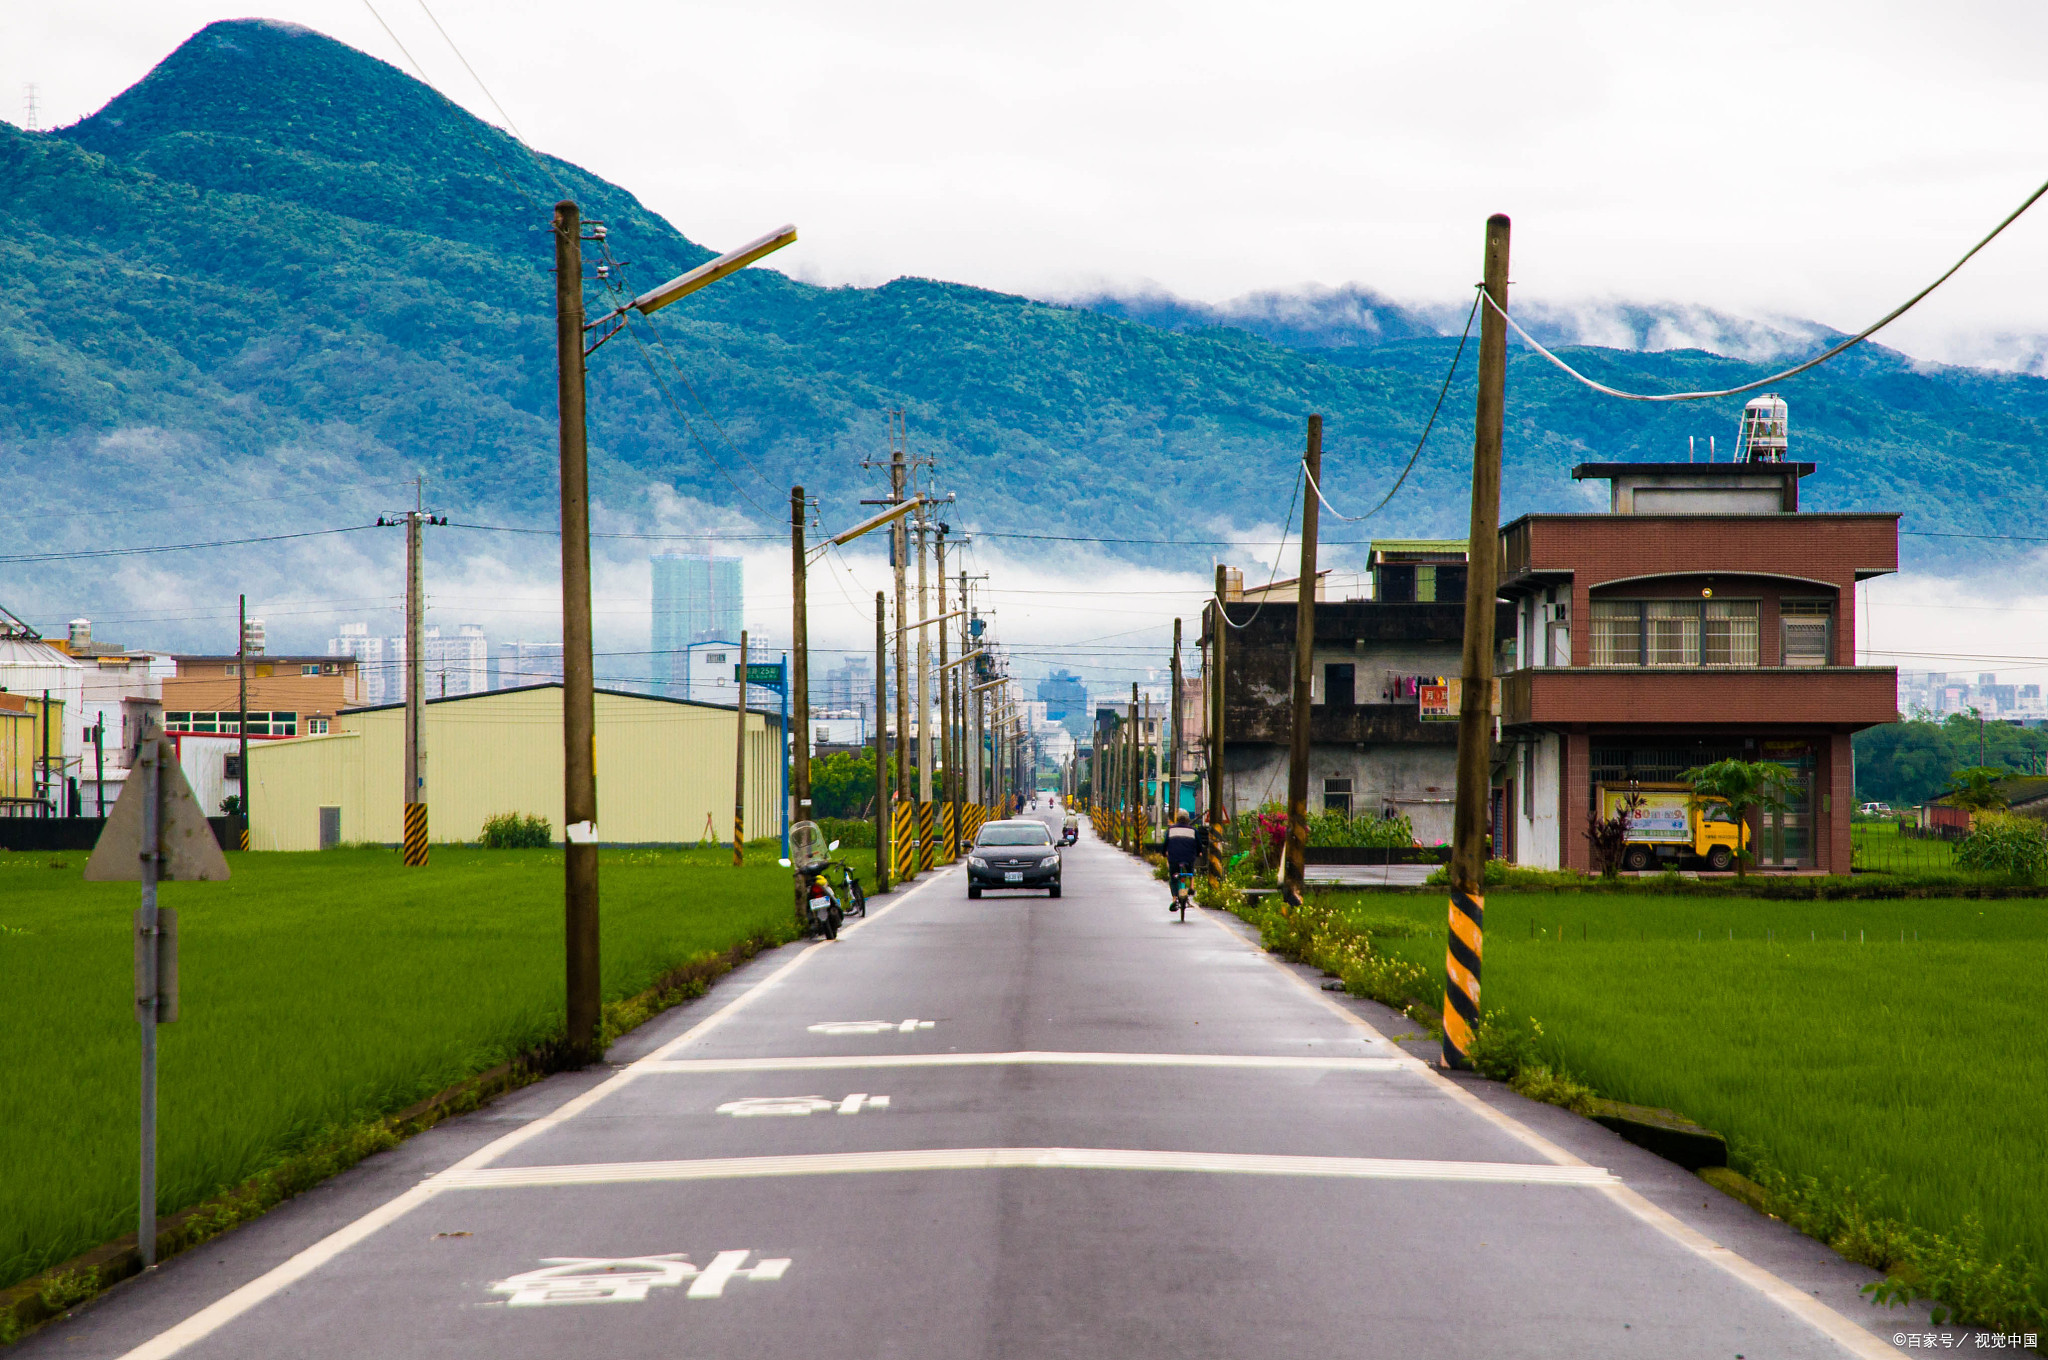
<point x="318" y="990"/>
<point x="1878" y="847"/>
<point x="1893" y="1045"/>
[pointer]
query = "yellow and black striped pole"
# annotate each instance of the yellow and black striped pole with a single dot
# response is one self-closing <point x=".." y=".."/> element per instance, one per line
<point x="1475" y="699"/>
<point x="927" y="838"/>
<point x="415" y="852"/>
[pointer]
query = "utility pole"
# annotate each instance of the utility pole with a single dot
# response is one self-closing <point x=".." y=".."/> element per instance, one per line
<point x="925" y="753"/>
<point x="1219" y="816"/>
<point x="1132" y="776"/>
<point x="739" y="761"/>
<point x="1475" y="706"/>
<point x="1173" y="744"/>
<point x="99" y="762"/>
<point x="799" y="677"/>
<point x="945" y="699"/>
<point x="415" y="851"/>
<point x="242" y="717"/>
<point x="1296" y="873"/>
<point x="881" y="744"/>
<point x="579" y="702"/>
<point x="899" y="540"/>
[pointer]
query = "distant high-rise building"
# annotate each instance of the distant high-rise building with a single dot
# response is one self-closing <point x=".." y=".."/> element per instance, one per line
<point x="697" y="598"/>
<point x="1065" y="696"/>
<point x="848" y="687"/>
<point x="371" y="663"/>
<point x="457" y="665"/>
<point x="529" y="663"/>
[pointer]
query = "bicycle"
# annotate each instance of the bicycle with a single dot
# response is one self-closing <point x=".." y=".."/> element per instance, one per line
<point x="1182" y="885"/>
<point x="856" y="897"/>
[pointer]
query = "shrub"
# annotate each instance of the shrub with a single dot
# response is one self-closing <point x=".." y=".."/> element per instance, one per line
<point x="511" y="831"/>
<point x="2002" y="843"/>
<point x="851" y="833"/>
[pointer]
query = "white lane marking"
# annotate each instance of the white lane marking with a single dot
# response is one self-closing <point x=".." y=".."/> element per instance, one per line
<point x="626" y="1279"/>
<point x="227" y="1308"/>
<point x="756" y="1106"/>
<point x="869" y="1026"/>
<point x="1015" y="1158"/>
<point x="685" y="1066"/>
<point x="1837" y="1327"/>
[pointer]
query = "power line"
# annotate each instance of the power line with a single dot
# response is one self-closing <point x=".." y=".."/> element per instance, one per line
<point x="1797" y="369"/>
<point x="178" y="547"/>
<point x="462" y="113"/>
<point x="1427" y="426"/>
<point x="517" y="135"/>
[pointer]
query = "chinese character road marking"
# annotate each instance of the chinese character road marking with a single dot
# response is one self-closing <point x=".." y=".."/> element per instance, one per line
<point x="870" y="1026"/>
<point x="726" y="1266"/>
<point x="801" y="1105"/>
<point x="626" y="1279"/>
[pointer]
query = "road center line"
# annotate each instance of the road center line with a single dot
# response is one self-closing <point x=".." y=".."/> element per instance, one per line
<point x="1026" y="1158"/>
<point x="689" y="1066"/>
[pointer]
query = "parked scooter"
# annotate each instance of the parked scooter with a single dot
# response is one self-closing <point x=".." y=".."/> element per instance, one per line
<point x="821" y="910"/>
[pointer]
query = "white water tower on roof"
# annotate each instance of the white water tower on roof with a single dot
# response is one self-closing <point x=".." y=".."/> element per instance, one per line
<point x="1761" y="438"/>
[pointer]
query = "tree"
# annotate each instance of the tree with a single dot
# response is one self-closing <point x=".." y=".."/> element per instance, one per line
<point x="1747" y="788"/>
<point x="1609" y="835"/>
<point x="1976" y="787"/>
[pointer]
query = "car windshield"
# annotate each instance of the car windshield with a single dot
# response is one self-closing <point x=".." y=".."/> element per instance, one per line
<point x="1014" y="833"/>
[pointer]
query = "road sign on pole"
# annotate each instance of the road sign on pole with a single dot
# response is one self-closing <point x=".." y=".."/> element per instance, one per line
<point x="158" y="831"/>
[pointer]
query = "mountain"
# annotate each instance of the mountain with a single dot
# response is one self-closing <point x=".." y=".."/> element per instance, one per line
<point x="278" y="276"/>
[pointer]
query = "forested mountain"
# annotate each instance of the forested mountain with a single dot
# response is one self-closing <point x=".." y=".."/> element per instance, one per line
<point x="278" y="268"/>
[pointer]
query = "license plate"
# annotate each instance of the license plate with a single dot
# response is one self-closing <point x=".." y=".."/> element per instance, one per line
<point x="1016" y="876"/>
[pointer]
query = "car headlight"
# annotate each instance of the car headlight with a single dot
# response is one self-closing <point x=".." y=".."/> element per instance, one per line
<point x="976" y="861"/>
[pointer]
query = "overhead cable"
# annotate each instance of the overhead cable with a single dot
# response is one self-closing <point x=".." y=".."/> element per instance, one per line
<point x="463" y="114"/>
<point x="1797" y="369"/>
<point x="1427" y="426"/>
<point x="178" y="547"/>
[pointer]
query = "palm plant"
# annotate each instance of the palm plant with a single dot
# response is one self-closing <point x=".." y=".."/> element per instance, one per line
<point x="1746" y="788"/>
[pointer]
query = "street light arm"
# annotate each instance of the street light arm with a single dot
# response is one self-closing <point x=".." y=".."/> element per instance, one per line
<point x="979" y="651"/>
<point x="876" y="522"/>
<point x="682" y="285"/>
<point x="937" y="618"/>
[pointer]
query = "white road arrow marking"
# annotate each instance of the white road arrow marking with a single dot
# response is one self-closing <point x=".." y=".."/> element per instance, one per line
<point x="753" y="1106"/>
<point x="855" y="1103"/>
<point x="594" y="1279"/>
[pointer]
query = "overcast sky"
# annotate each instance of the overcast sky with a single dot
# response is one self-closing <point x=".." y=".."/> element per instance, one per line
<point x="1819" y="160"/>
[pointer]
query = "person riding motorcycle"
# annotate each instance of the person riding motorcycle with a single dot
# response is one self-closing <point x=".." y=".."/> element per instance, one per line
<point x="1183" y="849"/>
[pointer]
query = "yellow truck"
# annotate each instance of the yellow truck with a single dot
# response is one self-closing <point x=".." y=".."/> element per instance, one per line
<point x="1668" y="827"/>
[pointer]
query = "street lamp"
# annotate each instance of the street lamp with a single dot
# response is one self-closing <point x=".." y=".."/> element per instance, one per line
<point x="579" y="716"/>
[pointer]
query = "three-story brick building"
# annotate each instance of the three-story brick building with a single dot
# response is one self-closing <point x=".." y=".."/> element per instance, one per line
<point x="1703" y="616"/>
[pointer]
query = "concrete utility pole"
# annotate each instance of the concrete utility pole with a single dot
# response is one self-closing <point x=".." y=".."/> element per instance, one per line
<point x="945" y="694"/>
<point x="1304" y="677"/>
<point x="1475" y="701"/>
<point x="899" y="539"/>
<point x="881" y="744"/>
<point x="1219" y="816"/>
<point x="1133" y="744"/>
<point x="579" y="698"/>
<point x="415" y="851"/>
<point x="739" y="761"/>
<point x="242" y="714"/>
<point x="799" y="677"/>
<point x="925" y="760"/>
<point x="1173" y="744"/>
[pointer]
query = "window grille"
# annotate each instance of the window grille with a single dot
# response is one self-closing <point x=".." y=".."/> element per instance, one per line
<point x="1617" y="633"/>
<point x="1809" y="631"/>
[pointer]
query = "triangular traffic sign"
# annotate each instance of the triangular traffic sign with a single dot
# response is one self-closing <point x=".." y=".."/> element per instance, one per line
<point x="185" y="840"/>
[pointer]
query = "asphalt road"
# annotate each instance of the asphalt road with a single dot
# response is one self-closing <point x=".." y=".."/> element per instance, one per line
<point x="1011" y="1127"/>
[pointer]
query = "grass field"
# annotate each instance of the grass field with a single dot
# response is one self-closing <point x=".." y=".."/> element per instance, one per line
<point x="1891" y="1045"/>
<point x="318" y="990"/>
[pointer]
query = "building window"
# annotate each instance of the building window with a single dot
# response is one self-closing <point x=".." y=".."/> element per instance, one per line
<point x="1617" y="633"/>
<point x="1340" y="684"/>
<point x="309" y="668"/>
<point x="232" y="668"/>
<point x="1675" y="633"/>
<point x="316" y="727"/>
<point x="1809" y="627"/>
<point x="1337" y="796"/>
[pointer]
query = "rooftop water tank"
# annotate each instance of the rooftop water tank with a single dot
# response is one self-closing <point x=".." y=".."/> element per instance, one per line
<point x="81" y="632"/>
<point x="1761" y="438"/>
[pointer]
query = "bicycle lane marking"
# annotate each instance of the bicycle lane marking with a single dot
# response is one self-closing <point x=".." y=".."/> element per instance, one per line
<point x="222" y="1311"/>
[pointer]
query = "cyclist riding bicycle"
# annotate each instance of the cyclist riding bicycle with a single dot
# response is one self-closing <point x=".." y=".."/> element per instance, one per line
<point x="1183" y="848"/>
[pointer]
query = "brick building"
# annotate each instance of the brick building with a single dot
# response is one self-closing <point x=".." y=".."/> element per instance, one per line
<point x="1704" y="616"/>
